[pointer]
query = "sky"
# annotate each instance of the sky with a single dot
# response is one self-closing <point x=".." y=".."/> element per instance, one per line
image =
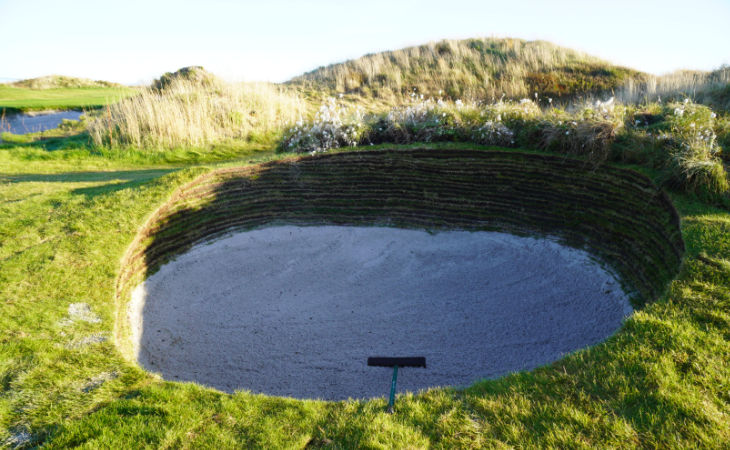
<point x="134" y="41"/>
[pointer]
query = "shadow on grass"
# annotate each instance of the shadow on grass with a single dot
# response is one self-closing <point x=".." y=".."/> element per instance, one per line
<point x="124" y="179"/>
<point x="46" y="141"/>
<point x="84" y="177"/>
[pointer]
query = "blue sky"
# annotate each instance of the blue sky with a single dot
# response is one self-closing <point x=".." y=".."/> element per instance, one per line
<point x="134" y="41"/>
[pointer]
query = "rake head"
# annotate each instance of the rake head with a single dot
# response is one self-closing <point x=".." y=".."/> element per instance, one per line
<point x="411" y="361"/>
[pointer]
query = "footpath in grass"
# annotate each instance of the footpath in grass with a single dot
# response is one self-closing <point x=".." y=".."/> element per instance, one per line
<point x="66" y="218"/>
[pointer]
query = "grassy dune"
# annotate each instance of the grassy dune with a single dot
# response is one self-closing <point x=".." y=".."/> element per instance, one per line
<point x="481" y="69"/>
<point x="490" y="69"/>
<point x="60" y="81"/>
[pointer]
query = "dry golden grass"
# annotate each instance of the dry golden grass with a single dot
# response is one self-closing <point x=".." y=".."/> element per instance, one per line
<point x="187" y="114"/>
<point x="702" y="87"/>
<point x="484" y="69"/>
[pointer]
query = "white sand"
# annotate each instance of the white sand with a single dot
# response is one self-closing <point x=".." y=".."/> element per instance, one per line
<point x="296" y="311"/>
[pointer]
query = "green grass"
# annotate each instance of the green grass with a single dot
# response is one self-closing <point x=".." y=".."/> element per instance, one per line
<point x="68" y="214"/>
<point x="684" y="140"/>
<point x="14" y="99"/>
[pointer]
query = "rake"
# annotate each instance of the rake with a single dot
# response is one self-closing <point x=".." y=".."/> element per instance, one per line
<point x="381" y="361"/>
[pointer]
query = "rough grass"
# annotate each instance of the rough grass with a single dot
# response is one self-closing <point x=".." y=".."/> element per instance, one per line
<point x="681" y="139"/>
<point x="479" y="69"/>
<point x="662" y="381"/>
<point x="709" y="88"/>
<point x="493" y="69"/>
<point x="188" y="114"/>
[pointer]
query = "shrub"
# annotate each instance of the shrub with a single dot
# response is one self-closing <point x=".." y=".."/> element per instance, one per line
<point x="492" y="133"/>
<point x="590" y="138"/>
<point x="723" y="138"/>
<point x="421" y="121"/>
<point x="693" y="151"/>
<point x="333" y="126"/>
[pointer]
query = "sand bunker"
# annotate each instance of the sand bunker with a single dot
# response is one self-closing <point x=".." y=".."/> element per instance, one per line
<point x="296" y="311"/>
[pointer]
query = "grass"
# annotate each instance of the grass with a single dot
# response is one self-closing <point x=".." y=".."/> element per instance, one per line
<point x="21" y="99"/>
<point x="475" y="69"/>
<point x="709" y="88"/>
<point x="66" y="219"/>
<point x="60" y="81"/>
<point x="188" y="114"/>
<point x="69" y="208"/>
<point x="491" y="69"/>
<point x="682" y="140"/>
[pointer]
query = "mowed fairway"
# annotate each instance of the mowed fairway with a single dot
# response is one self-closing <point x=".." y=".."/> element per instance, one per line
<point x="24" y="99"/>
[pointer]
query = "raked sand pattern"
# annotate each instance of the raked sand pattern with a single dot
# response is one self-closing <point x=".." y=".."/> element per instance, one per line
<point x="296" y="311"/>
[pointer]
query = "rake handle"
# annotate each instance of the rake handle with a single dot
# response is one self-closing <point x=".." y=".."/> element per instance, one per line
<point x="395" y="362"/>
<point x="391" y="401"/>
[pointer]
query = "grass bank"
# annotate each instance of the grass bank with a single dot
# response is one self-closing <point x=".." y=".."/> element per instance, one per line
<point x="67" y="217"/>
<point x="684" y="141"/>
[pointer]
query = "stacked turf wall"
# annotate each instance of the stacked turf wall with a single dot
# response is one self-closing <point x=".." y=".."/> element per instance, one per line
<point x="617" y="214"/>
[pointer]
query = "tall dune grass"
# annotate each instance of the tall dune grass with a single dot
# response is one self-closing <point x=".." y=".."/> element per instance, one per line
<point x="712" y="88"/>
<point x="188" y="114"/>
<point x="483" y="69"/>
